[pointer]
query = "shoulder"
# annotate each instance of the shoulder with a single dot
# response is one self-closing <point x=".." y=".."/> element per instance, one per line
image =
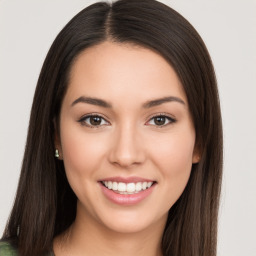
<point x="7" y="250"/>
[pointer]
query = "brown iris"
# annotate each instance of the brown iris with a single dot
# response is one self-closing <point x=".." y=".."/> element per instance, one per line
<point x="159" y="120"/>
<point x="95" y="120"/>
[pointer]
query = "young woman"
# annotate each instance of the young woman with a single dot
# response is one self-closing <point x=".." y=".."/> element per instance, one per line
<point x="124" y="148"/>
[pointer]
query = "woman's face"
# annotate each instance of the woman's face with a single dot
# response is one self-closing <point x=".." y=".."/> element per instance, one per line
<point x="126" y="137"/>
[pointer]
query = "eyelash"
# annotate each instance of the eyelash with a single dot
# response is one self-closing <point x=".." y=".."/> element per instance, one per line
<point x="82" y="120"/>
<point x="171" y="120"/>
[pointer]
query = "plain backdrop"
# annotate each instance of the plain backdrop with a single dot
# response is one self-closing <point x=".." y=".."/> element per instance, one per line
<point x="27" y="29"/>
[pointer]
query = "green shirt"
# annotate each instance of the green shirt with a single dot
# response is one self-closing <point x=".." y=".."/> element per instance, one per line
<point x="7" y="250"/>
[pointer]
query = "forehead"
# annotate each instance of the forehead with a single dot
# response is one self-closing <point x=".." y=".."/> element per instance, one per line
<point x="114" y="70"/>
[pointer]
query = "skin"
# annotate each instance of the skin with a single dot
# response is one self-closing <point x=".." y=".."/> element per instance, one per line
<point x="128" y="142"/>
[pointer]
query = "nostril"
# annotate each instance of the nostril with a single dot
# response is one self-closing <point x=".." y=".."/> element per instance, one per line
<point x="125" y="158"/>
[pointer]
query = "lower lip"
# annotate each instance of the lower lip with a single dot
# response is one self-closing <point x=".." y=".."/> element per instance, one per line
<point x="125" y="199"/>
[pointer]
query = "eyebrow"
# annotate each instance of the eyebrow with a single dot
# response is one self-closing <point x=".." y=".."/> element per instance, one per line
<point x="92" y="101"/>
<point x="157" y="102"/>
<point x="105" y="104"/>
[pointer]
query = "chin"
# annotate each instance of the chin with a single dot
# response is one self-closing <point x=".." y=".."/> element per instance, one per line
<point x="130" y="222"/>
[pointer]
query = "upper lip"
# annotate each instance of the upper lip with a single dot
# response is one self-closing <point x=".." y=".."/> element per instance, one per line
<point x="132" y="179"/>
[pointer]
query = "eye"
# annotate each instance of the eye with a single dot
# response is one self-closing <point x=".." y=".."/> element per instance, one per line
<point x="161" y="120"/>
<point x="93" y="121"/>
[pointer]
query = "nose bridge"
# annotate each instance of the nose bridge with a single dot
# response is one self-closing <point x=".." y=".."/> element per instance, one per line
<point x="127" y="145"/>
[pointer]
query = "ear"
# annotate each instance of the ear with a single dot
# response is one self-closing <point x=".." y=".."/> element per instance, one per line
<point x="197" y="153"/>
<point x="57" y="141"/>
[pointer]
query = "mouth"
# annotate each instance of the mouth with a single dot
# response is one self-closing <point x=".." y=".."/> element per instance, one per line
<point x="127" y="188"/>
<point x="127" y="191"/>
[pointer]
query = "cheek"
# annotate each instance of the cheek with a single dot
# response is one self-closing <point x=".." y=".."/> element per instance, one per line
<point x="82" y="152"/>
<point x="174" y="149"/>
<point x="173" y="158"/>
<point x="178" y="155"/>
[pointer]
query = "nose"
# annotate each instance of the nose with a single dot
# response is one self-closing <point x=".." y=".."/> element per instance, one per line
<point x="127" y="147"/>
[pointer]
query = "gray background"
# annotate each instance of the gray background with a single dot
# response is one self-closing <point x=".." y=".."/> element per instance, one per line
<point x="27" y="28"/>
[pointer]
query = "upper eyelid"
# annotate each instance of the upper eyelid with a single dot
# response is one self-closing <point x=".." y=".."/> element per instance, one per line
<point x="161" y="114"/>
<point x="171" y="119"/>
<point x="93" y="114"/>
<point x="82" y="119"/>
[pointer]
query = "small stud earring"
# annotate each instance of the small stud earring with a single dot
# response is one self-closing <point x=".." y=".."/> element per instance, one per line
<point x="57" y="155"/>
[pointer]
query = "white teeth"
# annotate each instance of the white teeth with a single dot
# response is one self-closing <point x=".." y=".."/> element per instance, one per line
<point x="109" y="184"/>
<point x="149" y="184"/>
<point x="130" y="187"/>
<point x="121" y="187"/>
<point x="127" y="188"/>
<point x="138" y="186"/>
<point x="114" y="186"/>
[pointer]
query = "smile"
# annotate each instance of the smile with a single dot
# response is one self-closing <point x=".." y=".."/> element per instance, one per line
<point x="127" y="191"/>
<point x="127" y="188"/>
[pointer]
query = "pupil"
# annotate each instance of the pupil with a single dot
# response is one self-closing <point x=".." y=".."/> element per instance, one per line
<point x="159" y="120"/>
<point x="95" y="120"/>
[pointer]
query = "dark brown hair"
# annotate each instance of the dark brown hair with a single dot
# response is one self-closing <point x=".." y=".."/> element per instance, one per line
<point x="45" y="205"/>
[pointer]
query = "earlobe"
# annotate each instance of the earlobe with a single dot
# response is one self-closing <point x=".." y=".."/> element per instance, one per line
<point x="57" y="143"/>
<point x="196" y="158"/>
<point x="57" y="155"/>
<point x="197" y="154"/>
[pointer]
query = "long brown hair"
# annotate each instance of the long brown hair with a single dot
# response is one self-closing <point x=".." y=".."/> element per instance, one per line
<point x="45" y="205"/>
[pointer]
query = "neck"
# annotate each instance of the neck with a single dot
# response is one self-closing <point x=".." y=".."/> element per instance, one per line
<point x="87" y="237"/>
